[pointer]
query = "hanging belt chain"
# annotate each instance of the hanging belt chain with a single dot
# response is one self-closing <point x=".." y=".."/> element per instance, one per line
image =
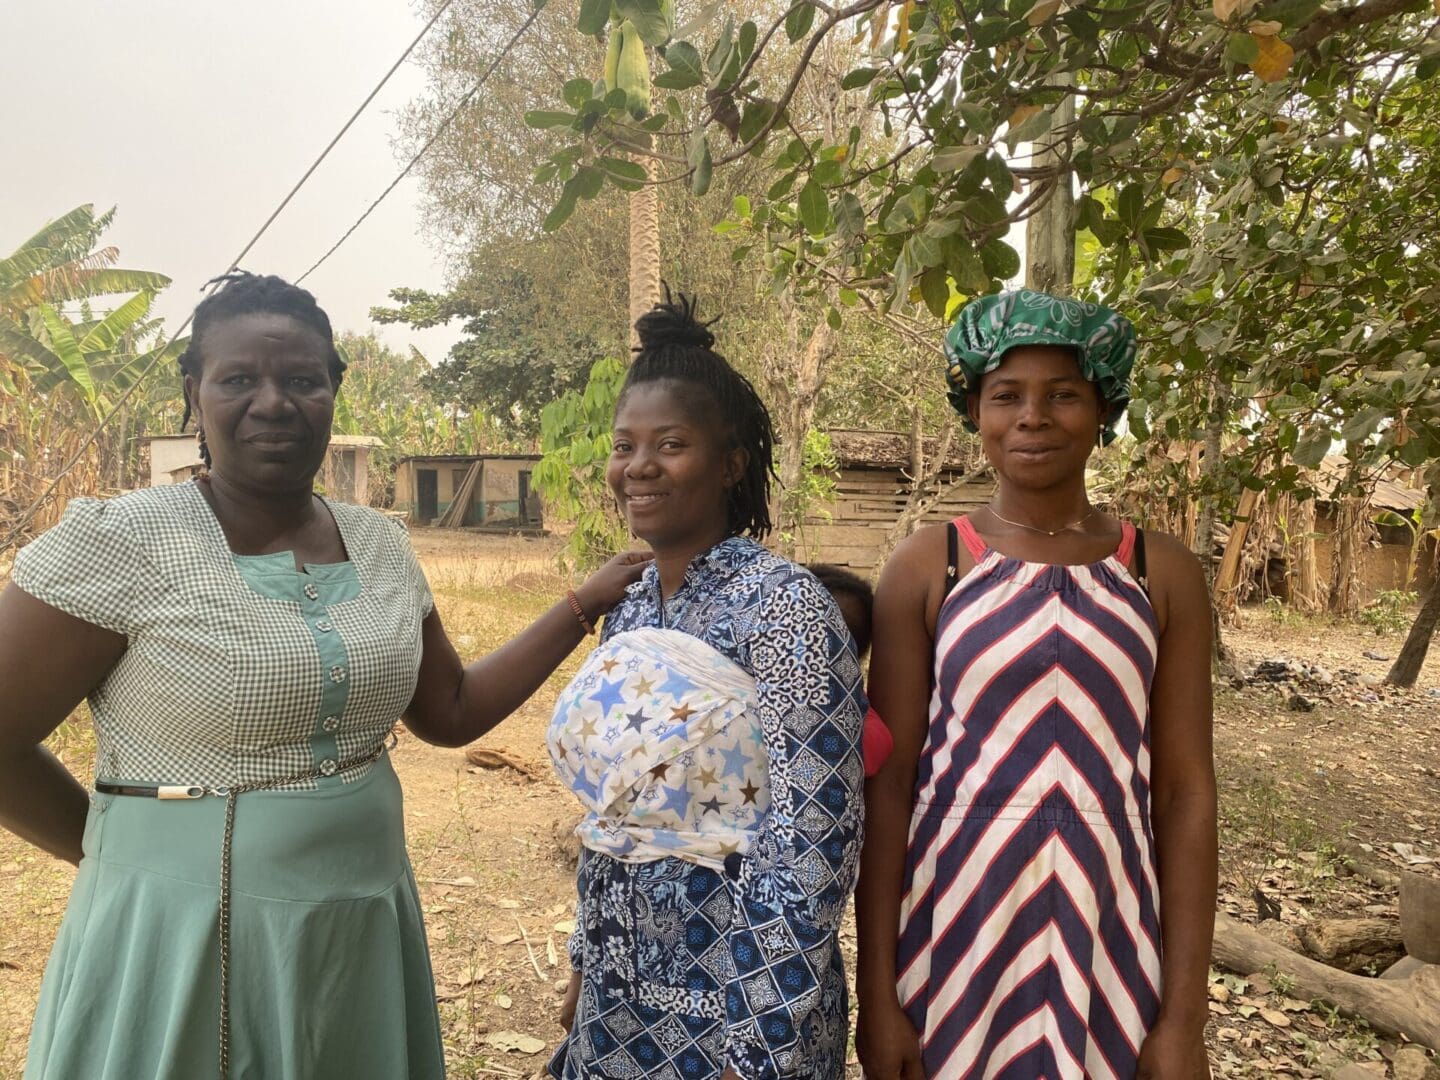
<point x="229" y="795"/>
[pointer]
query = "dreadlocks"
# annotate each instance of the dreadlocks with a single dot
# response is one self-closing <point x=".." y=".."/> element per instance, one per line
<point x="676" y="347"/>
<point x="243" y="293"/>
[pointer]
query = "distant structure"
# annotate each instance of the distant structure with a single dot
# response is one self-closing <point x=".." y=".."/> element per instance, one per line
<point x="489" y="491"/>
<point x="345" y="476"/>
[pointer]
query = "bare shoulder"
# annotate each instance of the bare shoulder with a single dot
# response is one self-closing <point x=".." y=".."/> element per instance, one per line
<point x="1177" y="582"/>
<point x="916" y="559"/>
<point x="1167" y="554"/>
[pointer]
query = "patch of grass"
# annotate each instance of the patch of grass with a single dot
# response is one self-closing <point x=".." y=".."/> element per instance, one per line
<point x="1264" y="828"/>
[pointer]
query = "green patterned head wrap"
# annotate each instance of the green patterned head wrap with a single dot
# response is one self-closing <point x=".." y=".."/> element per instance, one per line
<point x="988" y="328"/>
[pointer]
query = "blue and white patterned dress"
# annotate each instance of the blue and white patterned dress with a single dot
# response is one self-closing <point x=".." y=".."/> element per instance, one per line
<point x="687" y="968"/>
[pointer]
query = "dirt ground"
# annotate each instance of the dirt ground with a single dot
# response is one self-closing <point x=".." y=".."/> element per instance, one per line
<point x="1297" y="787"/>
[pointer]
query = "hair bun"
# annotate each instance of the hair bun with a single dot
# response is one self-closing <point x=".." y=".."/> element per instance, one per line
<point x="673" y="323"/>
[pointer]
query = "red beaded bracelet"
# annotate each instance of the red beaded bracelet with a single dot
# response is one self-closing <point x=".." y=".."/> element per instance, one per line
<point x="579" y="611"/>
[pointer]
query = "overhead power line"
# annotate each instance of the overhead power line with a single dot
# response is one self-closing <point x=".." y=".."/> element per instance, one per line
<point x="444" y="124"/>
<point x="163" y="350"/>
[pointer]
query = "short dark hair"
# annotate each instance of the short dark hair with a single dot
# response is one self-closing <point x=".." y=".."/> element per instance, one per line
<point x="244" y="293"/>
<point x="841" y="582"/>
<point x="676" y="347"/>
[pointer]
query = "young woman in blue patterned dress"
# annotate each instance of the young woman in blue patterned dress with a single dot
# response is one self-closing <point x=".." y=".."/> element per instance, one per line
<point x="714" y="738"/>
<point x="1039" y="879"/>
<point x="244" y="905"/>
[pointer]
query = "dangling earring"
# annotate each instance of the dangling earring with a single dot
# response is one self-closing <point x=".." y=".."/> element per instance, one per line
<point x="204" y="451"/>
<point x="1100" y="438"/>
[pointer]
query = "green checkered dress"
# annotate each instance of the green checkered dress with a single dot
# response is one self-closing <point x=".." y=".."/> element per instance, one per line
<point x="238" y="670"/>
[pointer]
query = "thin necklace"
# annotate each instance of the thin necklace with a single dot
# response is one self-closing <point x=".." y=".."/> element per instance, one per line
<point x="1035" y="528"/>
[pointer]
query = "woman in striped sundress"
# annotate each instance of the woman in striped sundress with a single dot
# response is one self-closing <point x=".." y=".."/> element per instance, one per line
<point x="1038" y="879"/>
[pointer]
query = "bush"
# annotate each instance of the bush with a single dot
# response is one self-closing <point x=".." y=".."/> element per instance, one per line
<point x="1389" y="612"/>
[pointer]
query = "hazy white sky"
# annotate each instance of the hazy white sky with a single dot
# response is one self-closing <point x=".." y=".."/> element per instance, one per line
<point x="194" y="118"/>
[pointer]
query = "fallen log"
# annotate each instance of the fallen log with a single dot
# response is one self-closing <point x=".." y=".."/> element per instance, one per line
<point x="1409" y="1007"/>
<point x="1359" y="946"/>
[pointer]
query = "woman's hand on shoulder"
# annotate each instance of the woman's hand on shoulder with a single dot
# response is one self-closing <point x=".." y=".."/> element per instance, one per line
<point x="606" y="587"/>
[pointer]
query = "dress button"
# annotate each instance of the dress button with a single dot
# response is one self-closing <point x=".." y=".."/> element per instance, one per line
<point x="312" y="592"/>
<point x="337" y="674"/>
<point x="328" y="766"/>
<point x="330" y="723"/>
<point x="324" y="626"/>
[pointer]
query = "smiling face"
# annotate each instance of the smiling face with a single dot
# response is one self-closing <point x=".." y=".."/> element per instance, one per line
<point x="1038" y="416"/>
<point x="265" y="400"/>
<point x="672" y="468"/>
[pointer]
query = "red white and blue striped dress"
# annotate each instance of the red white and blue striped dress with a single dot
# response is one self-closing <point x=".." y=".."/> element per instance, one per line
<point x="1030" y="928"/>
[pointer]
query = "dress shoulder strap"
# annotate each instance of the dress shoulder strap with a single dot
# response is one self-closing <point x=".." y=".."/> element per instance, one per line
<point x="1131" y="552"/>
<point x="955" y="531"/>
<point x="1126" y="547"/>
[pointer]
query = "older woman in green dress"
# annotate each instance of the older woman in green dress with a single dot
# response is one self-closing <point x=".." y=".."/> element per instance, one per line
<point x="244" y="904"/>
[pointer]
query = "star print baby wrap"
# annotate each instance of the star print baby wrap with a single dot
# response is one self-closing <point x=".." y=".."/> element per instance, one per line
<point x="657" y="738"/>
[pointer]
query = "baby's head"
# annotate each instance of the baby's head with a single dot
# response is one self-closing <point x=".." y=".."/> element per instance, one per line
<point x="854" y="597"/>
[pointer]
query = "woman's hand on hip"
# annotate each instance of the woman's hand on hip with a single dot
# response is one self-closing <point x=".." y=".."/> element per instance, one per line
<point x="887" y="1044"/>
<point x="606" y="586"/>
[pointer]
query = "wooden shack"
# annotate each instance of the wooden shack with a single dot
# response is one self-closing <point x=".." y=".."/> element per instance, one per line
<point x="494" y="491"/>
<point x="871" y="492"/>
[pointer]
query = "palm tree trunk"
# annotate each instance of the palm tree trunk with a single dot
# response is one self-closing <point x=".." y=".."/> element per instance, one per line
<point x="644" y="244"/>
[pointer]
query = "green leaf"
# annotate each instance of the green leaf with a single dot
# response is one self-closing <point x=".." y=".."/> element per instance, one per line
<point x="1000" y="260"/>
<point x="1312" y="448"/>
<point x="686" y="68"/>
<point x="849" y="297"/>
<point x="677" y="80"/>
<point x="966" y="267"/>
<point x="560" y="213"/>
<point x="954" y="158"/>
<point x="832" y="317"/>
<point x="757" y="115"/>
<point x="1031" y="128"/>
<point x="745" y="41"/>
<point x="976" y="117"/>
<point x="925" y="251"/>
<point x="106" y="334"/>
<point x="799" y="20"/>
<point x="1362" y="425"/>
<point x="1131" y="204"/>
<point x="814" y="208"/>
<point x="648" y="17"/>
<point x="587" y="182"/>
<point x="703" y="166"/>
<point x="624" y="174"/>
<point x="859" y="77"/>
<point x="577" y="92"/>
<point x="63" y="342"/>
<point x="541" y="118"/>
<point x="935" y="290"/>
<point x="1241" y="49"/>
<point x="742" y="207"/>
<point x="849" y="214"/>
<point x="781" y="187"/>
<point x="594" y="17"/>
<point x="1166" y="239"/>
